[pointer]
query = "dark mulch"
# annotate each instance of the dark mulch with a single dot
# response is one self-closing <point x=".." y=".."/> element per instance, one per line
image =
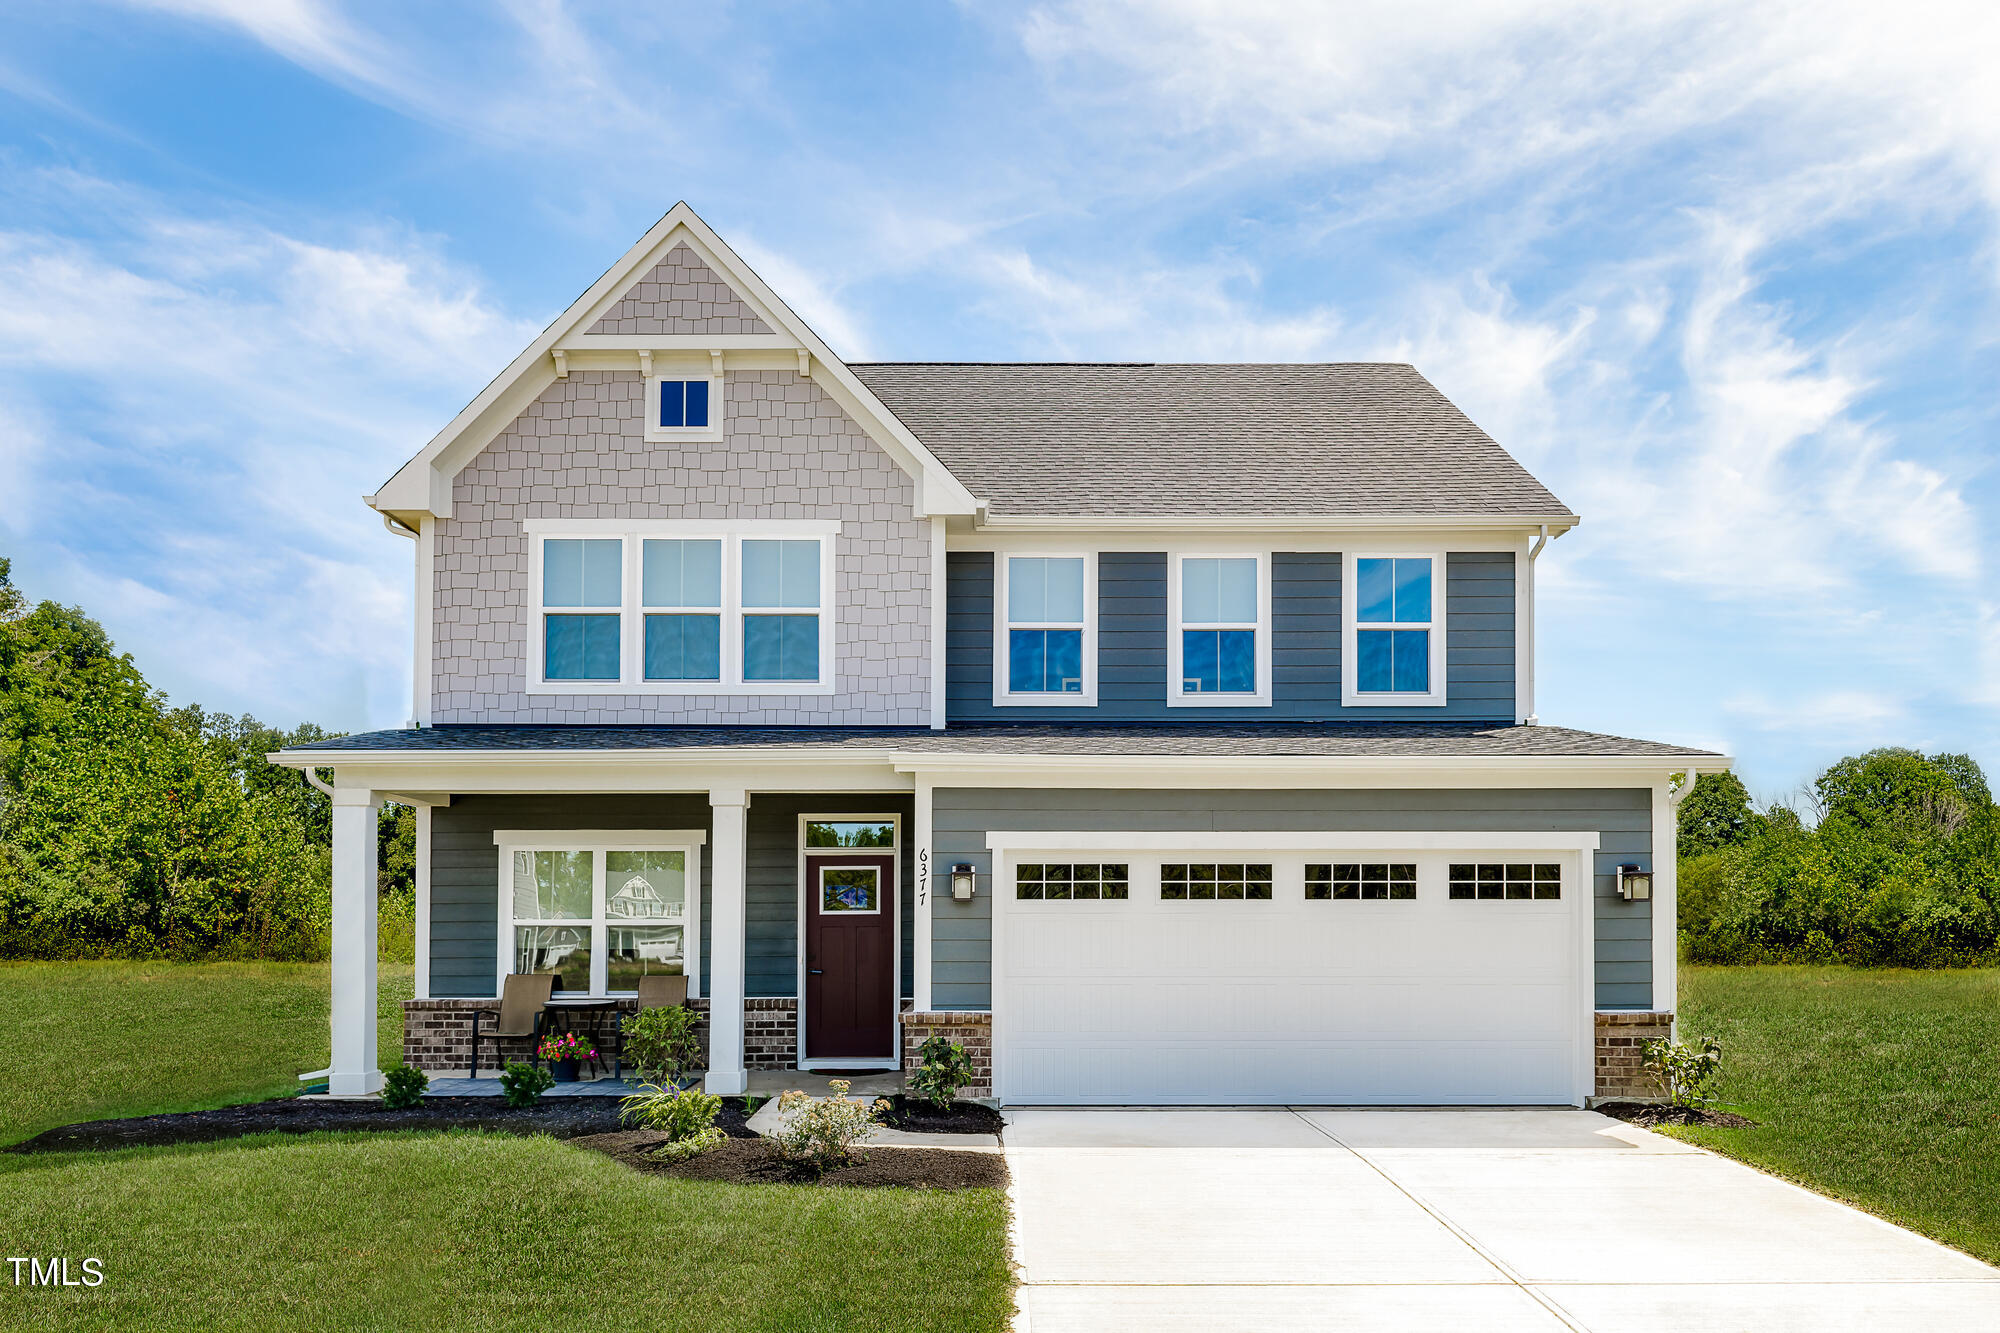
<point x="1648" y="1114"/>
<point x="751" y="1162"/>
<point x="561" y="1117"/>
<point x="920" y="1117"/>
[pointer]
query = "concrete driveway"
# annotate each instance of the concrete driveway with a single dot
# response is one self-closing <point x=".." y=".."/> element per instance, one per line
<point x="1414" y="1220"/>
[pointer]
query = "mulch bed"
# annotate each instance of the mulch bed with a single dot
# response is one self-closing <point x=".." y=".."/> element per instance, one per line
<point x="920" y="1117"/>
<point x="1648" y="1114"/>
<point x="751" y="1162"/>
<point x="560" y="1117"/>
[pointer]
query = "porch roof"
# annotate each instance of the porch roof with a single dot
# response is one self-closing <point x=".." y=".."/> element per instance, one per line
<point x="1257" y="740"/>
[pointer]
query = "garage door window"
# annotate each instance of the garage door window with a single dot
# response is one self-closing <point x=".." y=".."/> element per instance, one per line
<point x="1229" y="881"/>
<point x="1352" y="881"/>
<point x="1509" y="881"/>
<point x="1073" y="880"/>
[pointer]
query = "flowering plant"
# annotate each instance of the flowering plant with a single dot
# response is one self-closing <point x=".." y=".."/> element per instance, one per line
<point x="566" y="1046"/>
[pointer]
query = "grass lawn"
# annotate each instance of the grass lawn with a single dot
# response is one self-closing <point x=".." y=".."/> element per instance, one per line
<point x="118" y="1039"/>
<point x="484" y="1232"/>
<point x="1878" y="1087"/>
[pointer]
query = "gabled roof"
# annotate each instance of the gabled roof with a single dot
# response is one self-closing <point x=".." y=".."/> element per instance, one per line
<point x="423" y="485"/>
<point x="1366" y="441"/>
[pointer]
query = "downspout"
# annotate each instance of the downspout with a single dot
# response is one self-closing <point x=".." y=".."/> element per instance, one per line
<point x="1536" y="551"/>
<point x="1534" y="554"/>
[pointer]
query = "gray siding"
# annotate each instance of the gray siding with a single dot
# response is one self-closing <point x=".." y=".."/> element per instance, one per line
<point x="465" y="876"/>
<point x="1305" y="642"/>
<point x="962" y="933"/>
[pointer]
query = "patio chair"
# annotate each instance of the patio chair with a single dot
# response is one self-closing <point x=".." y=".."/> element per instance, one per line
<point x="524" y="1004"/>
<point x="656" y="991"/>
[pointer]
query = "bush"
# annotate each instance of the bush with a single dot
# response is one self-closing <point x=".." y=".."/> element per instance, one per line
<point x="661" y="1044"/>
<point x="679" y="1150"/>
<point x="820" y="1133"/>
<point x="522" y="1083"/>
<point x="946" y="1068"/>
<point x="1687" y="1072"/>
<point x="677" y="1113"/>
<point x="403" y="1087"/>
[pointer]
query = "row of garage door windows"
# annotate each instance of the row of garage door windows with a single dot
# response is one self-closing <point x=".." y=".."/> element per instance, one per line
<point x="1251" y="881"/>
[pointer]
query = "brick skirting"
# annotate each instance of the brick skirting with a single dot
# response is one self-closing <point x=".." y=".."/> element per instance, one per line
<point x="437" y="1034"/>
<point x="1622" y="1035"/>
<point x="970" y="1028"/>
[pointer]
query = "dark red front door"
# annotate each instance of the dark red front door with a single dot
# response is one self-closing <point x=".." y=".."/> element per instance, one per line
<point x="850" y="955"/>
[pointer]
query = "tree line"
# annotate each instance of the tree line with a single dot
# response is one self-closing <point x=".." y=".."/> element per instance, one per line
<point x="132" y="829"/>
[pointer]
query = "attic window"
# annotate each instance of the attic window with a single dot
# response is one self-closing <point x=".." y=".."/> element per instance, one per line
<point x="684" y="404"/>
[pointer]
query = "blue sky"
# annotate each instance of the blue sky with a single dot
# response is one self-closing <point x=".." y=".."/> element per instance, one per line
<point x="1724" y="276"/>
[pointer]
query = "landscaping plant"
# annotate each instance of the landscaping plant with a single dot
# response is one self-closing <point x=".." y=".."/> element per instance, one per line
<point x="820" y="1133"/>
<point x="522" y="1083"/>
<point x="1686" y="1071"/>
<point x="945" y="1069"/>
<point x="685" y="1115"/>
<point x="661" y="1044"/>
<point x="566" y="1046"/>
<point x="403" y="1087"/>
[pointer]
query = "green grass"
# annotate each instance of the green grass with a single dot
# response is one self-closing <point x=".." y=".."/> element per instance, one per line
<point x="1878" y="1087"/>
<point x="119" y="1039"/>
<point x="484" y="1232"/>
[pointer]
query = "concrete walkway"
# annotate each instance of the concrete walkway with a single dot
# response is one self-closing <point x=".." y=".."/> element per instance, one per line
<point x="1419" y="1220"/>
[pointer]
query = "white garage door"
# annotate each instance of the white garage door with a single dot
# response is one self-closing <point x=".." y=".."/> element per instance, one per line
<point x="1336" y="974"/>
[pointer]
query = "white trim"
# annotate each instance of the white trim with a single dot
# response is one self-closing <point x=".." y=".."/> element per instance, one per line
<point x="632" y="609"/>
<point x="895" y="854"/>
<point x="658" y="434"/>
<point x="940" y="577"/>
<point x="1664" y="909"/>
<point x="422" y="989"/>
<point x="728" y="811"/>
<point x="1005" y="697"/>
<point x="1557" y="523"/>
<point x="1351" y="695"/>
<point x="600" y="843"/>
<point x="1177" y="695"/>
<point x="426" y="628"/>
<point x="355" y="1067"/>
<point x="1242" y="840"/>
<point x="920" y="897"/>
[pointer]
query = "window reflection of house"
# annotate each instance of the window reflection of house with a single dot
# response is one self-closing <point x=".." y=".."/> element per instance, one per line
<point x="636" y="897"/>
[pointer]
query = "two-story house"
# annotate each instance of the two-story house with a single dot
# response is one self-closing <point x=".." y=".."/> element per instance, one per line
<point x="1165" y="732"/>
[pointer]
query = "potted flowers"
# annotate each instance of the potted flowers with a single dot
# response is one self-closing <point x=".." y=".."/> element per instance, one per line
<point x="564" y="1051"/>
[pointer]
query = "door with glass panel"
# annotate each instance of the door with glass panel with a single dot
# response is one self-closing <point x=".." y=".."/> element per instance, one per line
<point x="850" y="939"/>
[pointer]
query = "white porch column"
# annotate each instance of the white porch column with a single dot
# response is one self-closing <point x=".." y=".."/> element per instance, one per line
<point x="928" y="882"/>
<point x="1666" y="901"/>
<point x="726" y="925"/>
<point x="355" y="1070"/>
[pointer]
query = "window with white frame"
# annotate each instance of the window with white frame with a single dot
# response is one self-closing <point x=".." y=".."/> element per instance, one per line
<point x="673" y="607"/>
<point x="1045" y="636"/>
<point x="599" y="911"/>
<point x="684" y="407"/>
<point x="1220" y="649"/>
<point x="1394" y="634"/>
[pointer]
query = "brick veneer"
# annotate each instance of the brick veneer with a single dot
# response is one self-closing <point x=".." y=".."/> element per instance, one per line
<point x="1622" y="1035"/>
<point x="970" y="1028"/>
<point x="437" y="1034"/>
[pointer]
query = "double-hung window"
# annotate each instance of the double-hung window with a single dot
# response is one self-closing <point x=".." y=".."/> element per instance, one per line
<point x="1044" y="608"/>
<point x="1394" y="640"/>
<point x="1220" y="653"/>
<point x="599" y="910"/>
<point x="682" y="607"/>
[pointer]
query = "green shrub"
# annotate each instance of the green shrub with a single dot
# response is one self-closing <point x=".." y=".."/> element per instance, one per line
<point x="677" y="1113"/>
<point x="521" y="1083"/>
<point x="679" y="1150"/>
<point x="945" y="1069"/>
<point x="403" y="1087"/>
<point x="1686" y="1072"/>
<point x="662" y="1044"/>
<point x="820" y="1133"/>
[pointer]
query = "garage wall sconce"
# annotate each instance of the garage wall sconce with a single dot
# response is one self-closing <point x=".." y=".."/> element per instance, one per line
<point x="1635" y="885"/>
<point x="961" y="882"/>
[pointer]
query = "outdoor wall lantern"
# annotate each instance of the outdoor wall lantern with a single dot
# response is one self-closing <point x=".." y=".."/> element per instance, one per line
<point x="1635" y="885"/>
<point x="961" y="882"/>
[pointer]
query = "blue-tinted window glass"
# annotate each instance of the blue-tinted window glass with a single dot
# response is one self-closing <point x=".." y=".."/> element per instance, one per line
<point x="781" y="573"/>
<point x="1375" y="590"/>
<point x="1219" y="661"/>
<point x="1412" y="651"/>
<point x="1045" y="661"/>
<point x="1236" y="650"/>
<point x="681" y="573"/>
<point x="673" y="402"/>
<point x="683" y="648"/>
<point x="781" y="647"/>
<point x="581" y="573"/>
<point x="1374" y="673"/>
<point x="1413" y="591"/>
<point x="1043" y="590"/>
<point x="1218" y="591"/>
<point x="580" y="648"/>
<point x="697" y="402"/>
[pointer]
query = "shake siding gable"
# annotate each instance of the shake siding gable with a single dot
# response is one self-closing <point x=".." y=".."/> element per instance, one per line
<point x="1132" y="632"/>
<point x="681" y="294"/>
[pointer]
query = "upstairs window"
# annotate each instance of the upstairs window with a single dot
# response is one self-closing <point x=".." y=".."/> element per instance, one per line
<point x="781" y="596"/>
<point x="683" y="406"/>
<point x="684" y="403"/>
<point x="1044" y="606"/>
<point x="1394" y="640"/>
<point x="1220" y="649"/>
<point x="581" y="600"/>
<point x="681" y="595"/>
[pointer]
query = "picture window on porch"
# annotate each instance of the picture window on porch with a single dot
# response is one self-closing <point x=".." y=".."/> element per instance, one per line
<point x="1230" y="881"/>
<point x="598" y="917"/>
<point x="1511" y="880"/>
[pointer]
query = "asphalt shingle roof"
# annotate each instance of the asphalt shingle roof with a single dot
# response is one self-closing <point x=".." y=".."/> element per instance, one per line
<point x="1355" y="439"/>
<point x="1392" y="740"/>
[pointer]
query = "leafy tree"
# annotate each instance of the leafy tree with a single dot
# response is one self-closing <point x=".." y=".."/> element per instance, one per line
<point x="52" y="658"/>
<point x="1717" y="814"/>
